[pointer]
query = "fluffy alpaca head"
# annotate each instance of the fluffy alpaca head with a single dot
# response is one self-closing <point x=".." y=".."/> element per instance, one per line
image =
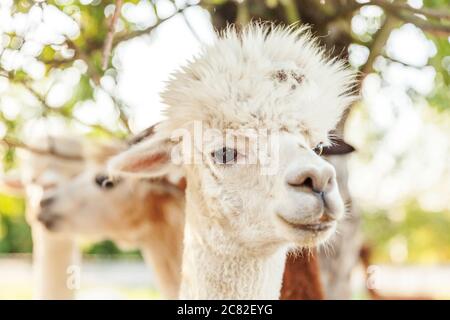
<point x="263" y="77"/>
<point x="265" y="88"/>
<point x="40" y="172"/>
<point x="47" y="170"/>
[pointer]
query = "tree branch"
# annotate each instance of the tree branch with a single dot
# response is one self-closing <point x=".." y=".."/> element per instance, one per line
<point x="35" y="94"/>
<point x="130" y="35"/>
<point x="110" y="36"/>
<point x="111" y="42"/>
<point x="400" y="62"/>
<point x="122" y="116"/>
<point x="116" y="40"/>
<point x="79" y="54"/>
<point x="429" y="12"/>
<point x="343" y="11"/>
<point x="187" y="21"/>
<point x="13" y="143"/>
<point x="190" y="26"/>
<point x="434" y="28"/>
<point x="48" y="109"/>
<point x="378" y="43"/>
<point x="396" y="10"/>
<point x="95" y="76"/>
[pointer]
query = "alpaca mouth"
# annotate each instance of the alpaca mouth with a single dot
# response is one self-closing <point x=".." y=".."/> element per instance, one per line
<point x="311" y="227"/>
<point x="50" y="221"/>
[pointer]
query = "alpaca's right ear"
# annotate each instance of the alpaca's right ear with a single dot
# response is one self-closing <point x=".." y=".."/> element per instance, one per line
<point x="150" y="158"/>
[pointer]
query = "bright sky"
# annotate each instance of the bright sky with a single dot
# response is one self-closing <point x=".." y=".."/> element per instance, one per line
<point x="405" y="149"/>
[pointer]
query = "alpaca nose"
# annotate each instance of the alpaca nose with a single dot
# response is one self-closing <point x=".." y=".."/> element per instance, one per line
<point x="45" y="202"/>
<point x="313" y="179"/>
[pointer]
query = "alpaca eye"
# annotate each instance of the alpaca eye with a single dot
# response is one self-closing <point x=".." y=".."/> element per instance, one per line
<point x="103" y="181"/>
<point x="319" y="149"/>
<point x="224" y="155"/>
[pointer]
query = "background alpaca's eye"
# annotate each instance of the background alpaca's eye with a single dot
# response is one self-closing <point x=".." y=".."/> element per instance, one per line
<point x="319" y="149"/>
<point x="224" y="155"/>
<point x="103" y="181"/>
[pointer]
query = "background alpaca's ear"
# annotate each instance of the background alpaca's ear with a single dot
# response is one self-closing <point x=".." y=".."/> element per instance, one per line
<point x="100" y="151"/>
<point x="12" y="184"/>
<point x="150" y="158"/>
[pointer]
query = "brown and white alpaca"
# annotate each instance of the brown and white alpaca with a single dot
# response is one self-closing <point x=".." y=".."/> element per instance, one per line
<point x="53" y="254"/>
<point x="317" y="275"/>
<point x="242" y="215"/>
<point x="138" y="213"/>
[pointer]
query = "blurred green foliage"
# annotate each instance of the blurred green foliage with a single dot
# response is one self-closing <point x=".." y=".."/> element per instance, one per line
<point x="15" y="233"/>
<point x="108" y="248"/>
<point x="424" y="234"/>
<point x="440" y="98"/>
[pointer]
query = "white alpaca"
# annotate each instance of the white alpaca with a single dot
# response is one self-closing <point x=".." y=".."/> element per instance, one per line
<point x="138" y="213"/>
<point x="52" y="254"/>
<point x="242" y="214"/>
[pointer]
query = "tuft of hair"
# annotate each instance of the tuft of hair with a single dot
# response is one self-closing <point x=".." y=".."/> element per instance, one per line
<point x="262" y="76"/>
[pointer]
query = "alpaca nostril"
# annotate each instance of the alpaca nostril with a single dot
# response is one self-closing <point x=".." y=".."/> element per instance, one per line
<point x="308" y="183"/>
<point x="329" y="182"/>
<point x="305" y="182"/>
<point x="314" y="180"/>
<point x="46" y="202"/>
<point x="108" y="184"/>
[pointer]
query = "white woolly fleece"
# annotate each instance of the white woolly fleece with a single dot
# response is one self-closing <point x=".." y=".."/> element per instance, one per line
<point x="265" y="76"/>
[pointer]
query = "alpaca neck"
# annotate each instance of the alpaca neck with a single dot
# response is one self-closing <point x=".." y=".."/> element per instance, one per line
<point x="161" y="246"/>
<point x="166" y="267"/>
<point x="53" y="256"/>
<point x="219" y="269"/>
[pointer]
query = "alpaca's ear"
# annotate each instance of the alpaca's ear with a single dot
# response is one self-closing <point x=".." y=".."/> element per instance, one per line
<point x="339" y="147"/>
<point x="12" y="184"/>
<point x="100" y="151"/>
<point x="150" y="158"/>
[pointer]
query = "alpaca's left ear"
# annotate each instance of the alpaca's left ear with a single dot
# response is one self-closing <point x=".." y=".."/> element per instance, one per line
<point x="150" y="158"/>
<point x="339" y="147"/>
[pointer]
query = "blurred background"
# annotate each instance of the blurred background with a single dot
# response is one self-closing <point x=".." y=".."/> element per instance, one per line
<point x="95" y="68"/>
